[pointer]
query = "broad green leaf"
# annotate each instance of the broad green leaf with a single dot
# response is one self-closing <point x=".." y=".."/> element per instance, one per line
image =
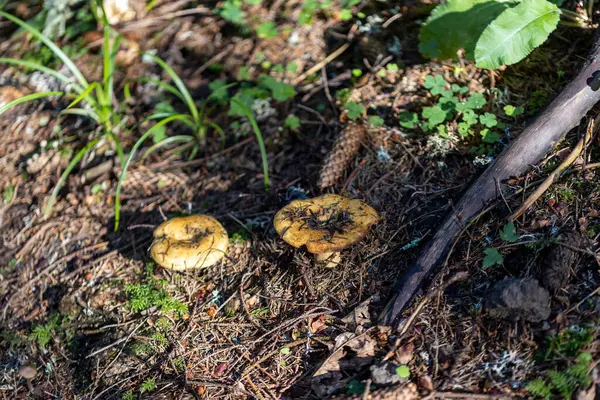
<point x="376" y="120"/>
<point x="492" y="257"/>
<point x="458" y="24"/>
<point x="509" y="233"/>
<point x="516" y="33"/>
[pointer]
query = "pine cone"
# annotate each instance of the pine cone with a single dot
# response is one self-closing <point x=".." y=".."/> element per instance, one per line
<point x="345" y="148"/>
<point x="402" y="392"/>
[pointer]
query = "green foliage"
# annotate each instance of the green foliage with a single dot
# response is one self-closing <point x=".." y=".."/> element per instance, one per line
<point x="355" y="110"/>
<point x="564" y="383"/>
<point x="292" y="122"/>
<point x="43" y="333"/>
<point x="376" y="120"/>
<point x="435" y="84"/>
<point x="408" y="120"/>
<point x="179" y="364"/>
<point x="403" y="371"/>
<point x="516" y="33"/>
<point x="144" y="296"/>
<point x="128" y="396"/>
<point x="492" y="32"/>
<point x="488" y="120"/>
<point x="9" y="194"/>
<point x="492" y="257"/>
<point x="345" y="15"/>
<point x="148" y="385"/>
<point x="356" y="387"/>
<point x="458" y="24"/>
<point x="231" y="10"/>
<point x="453" y="106"/>
<point x="508" y="233"/>
<point x="279" y="90"/>
<point x="569" y="342"/>
<point x="512" y="111"/>
<point x="285" y="351"/>
<point x="434" y="115"/>
<point x="309" y="7"/>
<point x="267" y="30"/>
<point x="98" y="96"/>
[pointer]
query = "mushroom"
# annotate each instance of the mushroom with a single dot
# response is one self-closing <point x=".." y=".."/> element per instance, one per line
<point x="28" y="372"/>
<point x="196" y="241"/>
<point x="325" y="225"/>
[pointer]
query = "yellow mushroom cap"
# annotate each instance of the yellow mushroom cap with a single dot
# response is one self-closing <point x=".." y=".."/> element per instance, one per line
<point x="197" y="241"/>
<point x="324" y="224"/>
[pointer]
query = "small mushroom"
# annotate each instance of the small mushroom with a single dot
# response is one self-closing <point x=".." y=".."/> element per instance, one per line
<point x="196" y="241"/>
<point x="28" y="372"/>
<point x="325" y="224"/>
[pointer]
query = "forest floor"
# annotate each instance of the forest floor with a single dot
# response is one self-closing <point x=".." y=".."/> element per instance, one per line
<point x="86" y="307"/>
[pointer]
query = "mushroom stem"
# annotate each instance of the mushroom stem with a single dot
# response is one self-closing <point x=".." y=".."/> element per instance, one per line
<point x="330" y="259"/>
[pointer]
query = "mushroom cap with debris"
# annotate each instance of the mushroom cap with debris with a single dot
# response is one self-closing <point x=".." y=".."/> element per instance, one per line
<point x="324" y="224"/>
<point x="196" y="241"/>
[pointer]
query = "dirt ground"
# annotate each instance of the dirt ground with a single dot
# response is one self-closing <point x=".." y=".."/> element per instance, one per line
<point x="87" y="308"/>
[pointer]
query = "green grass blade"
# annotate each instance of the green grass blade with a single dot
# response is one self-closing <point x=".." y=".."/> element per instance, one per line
<point x="118" y="146"/>
<point x="181" y="86"/>
<point x="54" y="48"/>
<point x="180" y="117"/>
<point x="41" y="68"/>
<point x="163" y="85"/>
<point x="166" y="142"/>
<point x="83" y="94"/>
<point x="259" y="138"/>
<point x="29" y="97"/>
<point x="136" y="146"/>
<point x="80" y="154"/>
<point x="81" y="112"/>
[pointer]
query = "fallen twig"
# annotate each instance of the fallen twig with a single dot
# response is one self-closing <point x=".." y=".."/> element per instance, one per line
<point x="323" y="63"/>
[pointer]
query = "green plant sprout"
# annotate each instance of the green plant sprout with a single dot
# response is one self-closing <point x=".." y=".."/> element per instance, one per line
<point x="98" y="96"/>
<point x="452" y="108"/>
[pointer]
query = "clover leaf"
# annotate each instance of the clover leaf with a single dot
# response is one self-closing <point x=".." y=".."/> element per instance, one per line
<point x="435" y="115"/>
<point x="355" y="110"/>
<point x="435" y="84"/>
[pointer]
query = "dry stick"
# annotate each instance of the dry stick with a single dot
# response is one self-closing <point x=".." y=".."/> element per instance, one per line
<point x="584" y="142"/>
<point x="563" y="114"/>
<point x="323" y="63"/>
